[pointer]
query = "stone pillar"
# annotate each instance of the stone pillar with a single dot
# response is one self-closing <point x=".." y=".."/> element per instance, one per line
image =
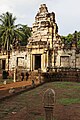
<point x="54" y="32"/>
<point x="31" y="63"/>
<point x="74" y="58"/>
<point x="51" y="36"/>
<point x="45" y="62"/>
<point x="14" y="75"/>
<point x="42" y="64"/>
<point x="49" y="99"/>
<point x="28" y="62"/>
<point x="47" y="59"/>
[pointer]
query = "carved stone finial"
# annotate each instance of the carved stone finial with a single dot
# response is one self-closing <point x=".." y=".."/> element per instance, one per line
<point x="49" y="99"/>
<point x="43" y="8"/>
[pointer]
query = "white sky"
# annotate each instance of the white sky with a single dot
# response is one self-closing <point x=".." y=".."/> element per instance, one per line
<point x="67" y="12"/>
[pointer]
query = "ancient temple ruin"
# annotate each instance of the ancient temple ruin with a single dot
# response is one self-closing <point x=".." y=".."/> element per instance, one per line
<point x="45" y="47"/>
<point x="44" y="41"/>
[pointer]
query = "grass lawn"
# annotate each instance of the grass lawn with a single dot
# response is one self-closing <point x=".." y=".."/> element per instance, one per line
<point x="67" y="104"/>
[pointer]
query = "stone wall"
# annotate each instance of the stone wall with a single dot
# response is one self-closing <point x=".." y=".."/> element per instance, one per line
<point x="69" y="75"/>
<point x="45" y="42"/>
<point x="68" y="58"/>
<point x="18" y="59"/>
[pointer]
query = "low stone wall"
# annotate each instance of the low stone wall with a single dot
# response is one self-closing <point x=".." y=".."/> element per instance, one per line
<point x="62" y="76"/>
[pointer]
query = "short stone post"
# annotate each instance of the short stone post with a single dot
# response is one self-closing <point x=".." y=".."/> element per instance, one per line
<point x="14" y="75"/>
<point x="49" y="99"/>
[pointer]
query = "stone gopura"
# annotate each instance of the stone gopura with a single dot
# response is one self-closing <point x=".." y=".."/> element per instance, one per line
<point x="44" y="40"/>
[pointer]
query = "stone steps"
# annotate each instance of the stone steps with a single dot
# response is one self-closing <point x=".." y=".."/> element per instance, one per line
<point x="33" y="76"/>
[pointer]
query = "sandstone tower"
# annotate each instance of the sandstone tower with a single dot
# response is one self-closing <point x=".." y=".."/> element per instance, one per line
<point x="44" y="41"/>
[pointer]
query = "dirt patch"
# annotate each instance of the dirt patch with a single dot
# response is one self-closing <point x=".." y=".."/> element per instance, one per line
<point x="29" y="105"/>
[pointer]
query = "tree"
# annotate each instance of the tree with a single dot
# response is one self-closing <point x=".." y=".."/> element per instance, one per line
<point x="27" y="33"/>
<point x="78" y="39"/>
<point x="8" y="30"/>
<point x="69" y="38"/>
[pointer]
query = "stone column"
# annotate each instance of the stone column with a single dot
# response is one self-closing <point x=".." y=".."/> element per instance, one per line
<point x="28" y="61"/>
<point x="74" y="58"/>
<point x="50" y="36"/>
<point x="47" y="59"/>
<point x="54" y="32"/>
<point x="14" y="75"/>
<point x="31" y="63"/>
<point x="49" y="99"/>
<point x="44" y="56"/>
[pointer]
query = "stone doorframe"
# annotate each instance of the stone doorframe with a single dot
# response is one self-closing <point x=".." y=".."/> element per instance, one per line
<point x="33" y="60"/>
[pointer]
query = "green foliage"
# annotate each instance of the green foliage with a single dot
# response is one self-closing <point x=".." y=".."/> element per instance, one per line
<point x="78" y="37"/>
<point x="7" y="29"/>
<point x="27" y="33"/>
<point x="69" y="38"/>
<point x="11" y="34"/>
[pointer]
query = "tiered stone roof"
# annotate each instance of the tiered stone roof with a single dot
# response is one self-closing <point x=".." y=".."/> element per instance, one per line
<point x="45" y="28"/>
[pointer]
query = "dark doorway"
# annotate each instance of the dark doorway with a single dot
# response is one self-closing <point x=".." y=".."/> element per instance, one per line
<point x="37" y="62"/>
<point x="3" y="64"/>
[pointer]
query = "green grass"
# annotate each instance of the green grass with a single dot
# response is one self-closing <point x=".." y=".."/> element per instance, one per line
<point x="67" y="85"/>
<point x="40" y="118"/>
<point x="66" y="93"/>
<point x="69" y="101"/>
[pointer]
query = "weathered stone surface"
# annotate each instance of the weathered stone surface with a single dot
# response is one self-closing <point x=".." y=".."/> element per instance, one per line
<point x="12" y="90"/>
<point x="49" y="100"/>
<point x="46" y="43"/>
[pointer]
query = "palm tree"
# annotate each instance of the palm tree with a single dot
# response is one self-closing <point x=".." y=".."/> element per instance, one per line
<point x="27" y="33"/>
<point x="8" y="31"/>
